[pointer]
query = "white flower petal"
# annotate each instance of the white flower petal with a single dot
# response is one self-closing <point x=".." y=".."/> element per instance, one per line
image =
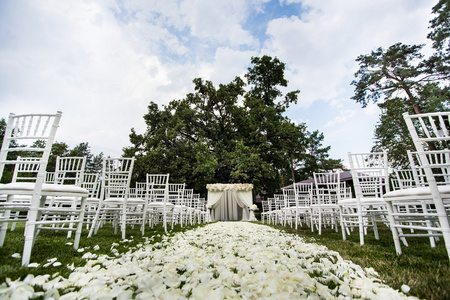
<point x="221" y="260"/>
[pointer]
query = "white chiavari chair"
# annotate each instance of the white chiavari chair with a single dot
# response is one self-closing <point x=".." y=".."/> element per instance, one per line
<point x="176" y="197"/>
<point x="303" y="193"/>
<point x="33" y="135"/>
<point x="68" y="171"/>
<point x="370" y="173"/>
<point x="430" y="218"/>
<point x="115" y="205"/>
<point x="159" y="207"/>
<point x="265" y="211"/>
<point x="324" y="207"/>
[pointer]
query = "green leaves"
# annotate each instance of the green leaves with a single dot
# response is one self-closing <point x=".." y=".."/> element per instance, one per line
<point x="224" y="134"/>
<point x="385" y="72"/>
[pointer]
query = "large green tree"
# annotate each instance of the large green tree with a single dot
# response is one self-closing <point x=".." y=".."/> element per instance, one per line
<point x="225" y="134"/>
<point x="400" y="79"/>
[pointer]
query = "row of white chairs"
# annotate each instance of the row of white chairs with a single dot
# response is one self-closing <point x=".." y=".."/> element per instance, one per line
<point x="69" y="198"/>
<point x="417" y="205"/>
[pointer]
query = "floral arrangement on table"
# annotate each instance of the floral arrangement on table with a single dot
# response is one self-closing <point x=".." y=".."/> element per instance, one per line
<point x="254" y="207"/>
<point x="221" y="187"/>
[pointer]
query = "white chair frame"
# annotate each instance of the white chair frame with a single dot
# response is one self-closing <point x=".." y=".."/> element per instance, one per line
<point x="428" y="131"/>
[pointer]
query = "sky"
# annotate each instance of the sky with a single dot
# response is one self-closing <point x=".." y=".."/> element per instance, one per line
<point x="101" y="62"/>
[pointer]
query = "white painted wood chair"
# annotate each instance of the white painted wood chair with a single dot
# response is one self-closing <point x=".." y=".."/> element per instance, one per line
<point x="159" y="207"/>
<point x="115" y="205"/>
<point x="431" y="136"/>
<point x="176" y="197"/>
<point x="303" y="194"/>
<point x="324" y="207"/>
<point x="370" y="173"/>
<point x="34" y="135"/>
<point x="68" y="171"/>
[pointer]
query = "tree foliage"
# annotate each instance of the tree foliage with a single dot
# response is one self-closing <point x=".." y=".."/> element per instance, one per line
<point x="225" y="133"/>
<point x="439" y="63"/>
<point x="400" y="79"/>
<point x="93" y="162"/>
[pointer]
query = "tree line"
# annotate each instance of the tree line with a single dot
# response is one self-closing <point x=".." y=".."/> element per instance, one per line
<point x="234" y="133"/>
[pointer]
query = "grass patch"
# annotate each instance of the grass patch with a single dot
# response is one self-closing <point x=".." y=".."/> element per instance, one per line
<point x="424" y="269"/>
<point x="52" y="244"/>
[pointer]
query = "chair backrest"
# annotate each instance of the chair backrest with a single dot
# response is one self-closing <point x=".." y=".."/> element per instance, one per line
<point x="330" y="181"/>
<point x="429" y="131"/>
<point x="370" y="174"/>
<point x="157" y="187"/>
<point x="438" y="161"/>
<point x="29" y="135"/>
<point x="327" y="187"/>
<point x="92" y="184"/>
<point x="303" y="193"/>
<point x="70" y="170"/>
<point x="50" y="177"/>
<point x="26" y="169"/>
<point x="303" y="188"/>
<point x="116" y="177"/>
<point x="280" y="203"/>
<point x="195" y="201"/>
<point x="265" y="205"/>
<point x="176" y="193"/>
<point x="404" y="179"/>
<point x="139" y="190"/>
<point x="289" y="197"/>
<point x="346" y="191"/>
<point x="431" y="135"/>
<point x="272" y="204"/>
<point x="188" y="195"/>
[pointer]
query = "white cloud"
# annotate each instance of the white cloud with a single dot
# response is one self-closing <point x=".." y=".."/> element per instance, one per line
<point x="341" y="118"/>
<point x="320" y="46"/>
<point x="218" y="21"/>
<point x="102" y="61"/>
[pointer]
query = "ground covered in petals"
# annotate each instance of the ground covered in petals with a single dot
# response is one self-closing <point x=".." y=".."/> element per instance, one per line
<point x="224" y="260"/>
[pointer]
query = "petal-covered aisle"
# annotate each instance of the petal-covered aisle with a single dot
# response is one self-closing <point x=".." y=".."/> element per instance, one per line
<point x="225" y="260"/>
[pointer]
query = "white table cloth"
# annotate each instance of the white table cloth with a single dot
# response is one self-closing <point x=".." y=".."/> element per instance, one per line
<point x="230" y="202"/>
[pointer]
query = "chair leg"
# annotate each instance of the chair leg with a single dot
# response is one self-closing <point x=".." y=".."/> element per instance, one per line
<point x="4" y="227"/>
<point x="79" y="228"/>
<point x="398" y="246"/>
<point x="30" y="231"/>
<point x="95" y="222"/>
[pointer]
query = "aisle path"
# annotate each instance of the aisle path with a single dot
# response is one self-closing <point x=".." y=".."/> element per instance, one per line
<point x="231" y="260"/>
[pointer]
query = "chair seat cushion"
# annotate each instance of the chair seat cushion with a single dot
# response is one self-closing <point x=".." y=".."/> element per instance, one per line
<point x="135" y="201"/>
<point x="159" y="204"/>
<point x="47" y="189"/>
<point x="92" y="200"/>
<point x="181" y="206"/>
<point x="419" y="191"/>
<point x="364" y="201"/>
<point x="325" y="205"/>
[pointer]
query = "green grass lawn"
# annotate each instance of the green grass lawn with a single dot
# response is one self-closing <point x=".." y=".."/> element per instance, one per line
<point x="424" y="269"/>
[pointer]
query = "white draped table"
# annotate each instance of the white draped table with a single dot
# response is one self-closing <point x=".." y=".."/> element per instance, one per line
<point x="230" y="202"/>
